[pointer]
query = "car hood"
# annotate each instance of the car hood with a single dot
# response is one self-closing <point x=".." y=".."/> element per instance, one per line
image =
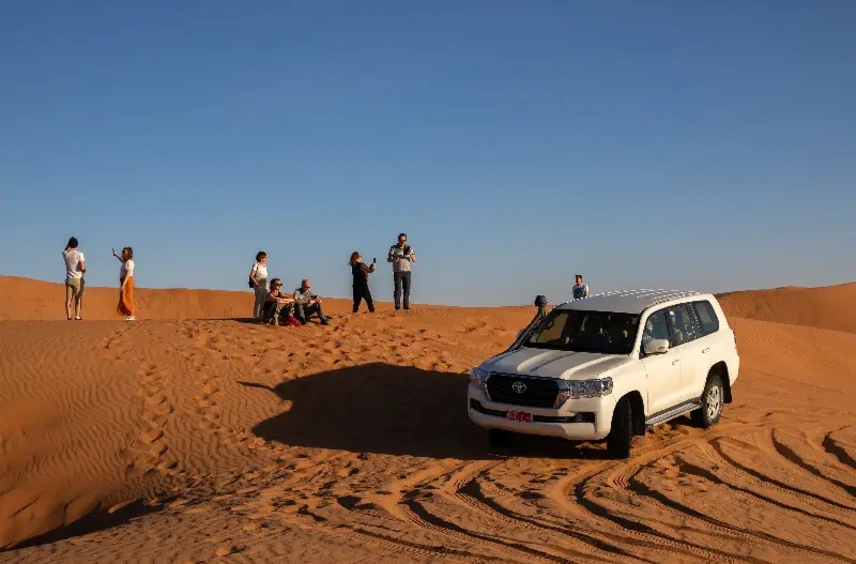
<point x="555" y="364"/>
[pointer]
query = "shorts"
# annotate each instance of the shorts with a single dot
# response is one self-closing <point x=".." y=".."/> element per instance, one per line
<point x="73" y="288"/>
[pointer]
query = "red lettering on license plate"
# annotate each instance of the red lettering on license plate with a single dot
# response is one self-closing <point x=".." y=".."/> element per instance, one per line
<point x="524" y="416"/>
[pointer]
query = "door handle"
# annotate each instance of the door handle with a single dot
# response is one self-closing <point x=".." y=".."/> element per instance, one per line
<point x="674" y="362"/>
<point x="705" y="350"/>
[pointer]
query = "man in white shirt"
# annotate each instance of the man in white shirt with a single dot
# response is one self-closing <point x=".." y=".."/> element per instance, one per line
<point x="75" y="266"/>
<point x="401" y="255"/>
<point x="580" y="290"/>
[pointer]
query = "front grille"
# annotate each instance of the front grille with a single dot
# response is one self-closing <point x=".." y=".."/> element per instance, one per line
<point x="538" y="392"/>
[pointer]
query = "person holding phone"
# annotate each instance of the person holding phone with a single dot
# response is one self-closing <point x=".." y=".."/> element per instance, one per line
<point x="401" y="255"/>
<point x="360" y="271"/>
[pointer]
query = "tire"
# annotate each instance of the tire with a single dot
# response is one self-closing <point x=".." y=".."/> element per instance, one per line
<point x="712" y="400"/>
<point x="621" y="434"/>
<point x="498" y="438"/>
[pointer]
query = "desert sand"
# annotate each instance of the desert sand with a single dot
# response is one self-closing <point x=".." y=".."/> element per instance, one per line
<point x="183" y="439"/>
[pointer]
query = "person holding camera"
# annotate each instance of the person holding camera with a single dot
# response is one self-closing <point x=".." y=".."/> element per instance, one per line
<point x="360" y="271"/>
<point x="401" y="255"/>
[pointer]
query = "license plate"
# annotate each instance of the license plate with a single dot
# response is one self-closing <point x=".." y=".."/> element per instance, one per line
<point x="523" y="416"/>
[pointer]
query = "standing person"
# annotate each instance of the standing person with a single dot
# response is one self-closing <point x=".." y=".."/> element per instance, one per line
<point x="75" y="267"/>
<point x="401" y="255"/>
<point x="308" y="303"/>
<point x="360" y="272"/>
<point x="580" y="290"/>
<point x="126" y="280"/>
<point x="258" y="281"/>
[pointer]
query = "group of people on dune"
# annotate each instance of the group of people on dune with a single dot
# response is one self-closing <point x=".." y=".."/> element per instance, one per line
<point x="75" y="268"/>
<point x="278" y="308"/>
<point x="271" y="304"/>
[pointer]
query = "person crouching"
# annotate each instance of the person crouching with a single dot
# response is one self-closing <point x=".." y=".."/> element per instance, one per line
<point x="307" y="304"/>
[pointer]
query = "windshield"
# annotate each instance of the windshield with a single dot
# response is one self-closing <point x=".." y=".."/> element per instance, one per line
<point x="586" y="331"/>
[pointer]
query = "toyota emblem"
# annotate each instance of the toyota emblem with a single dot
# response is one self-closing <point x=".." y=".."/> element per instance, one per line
<point x="518" y="387"/>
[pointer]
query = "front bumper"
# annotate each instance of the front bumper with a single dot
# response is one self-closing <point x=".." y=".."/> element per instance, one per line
<point x="585" y="419"/>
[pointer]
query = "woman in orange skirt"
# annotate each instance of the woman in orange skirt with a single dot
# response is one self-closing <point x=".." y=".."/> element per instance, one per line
<point x="126" y="279"/>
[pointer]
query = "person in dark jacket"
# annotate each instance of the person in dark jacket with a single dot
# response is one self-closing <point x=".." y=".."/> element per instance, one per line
<point x="360" y="272"/>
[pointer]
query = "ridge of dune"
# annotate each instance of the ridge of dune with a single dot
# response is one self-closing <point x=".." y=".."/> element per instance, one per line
<point x="195" y="440"/>
<point x="28" y="299"/>
<point x="828" y="307"/>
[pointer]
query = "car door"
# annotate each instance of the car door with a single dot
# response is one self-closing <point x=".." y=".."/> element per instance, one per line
<point x="686" y="340"/>
<point x="663" y="370"/>
<point x="717" y="343"/>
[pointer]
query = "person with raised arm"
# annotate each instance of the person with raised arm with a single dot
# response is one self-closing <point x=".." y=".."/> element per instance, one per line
<point x="360" y="271"/>
<point x="126" y="284"/>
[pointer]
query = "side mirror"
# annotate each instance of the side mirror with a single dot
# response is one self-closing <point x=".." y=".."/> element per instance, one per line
<point x="657" y="346"/>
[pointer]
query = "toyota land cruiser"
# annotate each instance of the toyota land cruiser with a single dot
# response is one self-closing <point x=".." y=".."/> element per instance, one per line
<point x="609" y="367"/>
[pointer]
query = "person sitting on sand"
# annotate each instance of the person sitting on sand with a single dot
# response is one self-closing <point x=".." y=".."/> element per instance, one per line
<point x="307" y="303"/>
<point x="278" y="306"/>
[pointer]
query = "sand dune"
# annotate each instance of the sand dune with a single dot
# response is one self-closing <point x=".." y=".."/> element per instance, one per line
<point x="196" y="440"/>
<point x="832" y="307"/>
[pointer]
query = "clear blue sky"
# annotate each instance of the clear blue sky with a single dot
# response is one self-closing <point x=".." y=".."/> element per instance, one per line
<point x="704" y="145"/>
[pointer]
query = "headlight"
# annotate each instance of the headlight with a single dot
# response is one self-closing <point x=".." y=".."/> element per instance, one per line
<point x="478" y="378"/>
<point x="576" y="389"/>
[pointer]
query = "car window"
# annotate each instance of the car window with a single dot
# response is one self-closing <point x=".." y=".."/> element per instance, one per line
<point x="683" y="323"/>
<point x="586" y="331"/>
<point x="707" y="317"/>
<point x="552" y="329"/>
<point x="656" y="327"/>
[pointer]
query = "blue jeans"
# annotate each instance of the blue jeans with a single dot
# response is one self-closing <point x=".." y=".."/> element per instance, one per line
<point x="305" y="312"/>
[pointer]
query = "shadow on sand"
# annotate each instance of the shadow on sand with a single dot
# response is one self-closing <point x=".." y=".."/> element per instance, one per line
<point x="386" y="409"/>
<point x="98" y="521"/>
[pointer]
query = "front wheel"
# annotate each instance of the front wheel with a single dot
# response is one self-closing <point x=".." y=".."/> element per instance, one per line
<point x="711" y="403"/>
<point x="621" y="434"/>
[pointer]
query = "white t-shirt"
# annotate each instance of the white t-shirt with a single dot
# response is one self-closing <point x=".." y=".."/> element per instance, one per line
<point x="260" y="271"/>
<point x="73" y="258"/>
<point x="127" y="268"/>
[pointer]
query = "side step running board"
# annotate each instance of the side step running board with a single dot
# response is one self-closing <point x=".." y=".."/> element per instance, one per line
<point x="676" y="411"/>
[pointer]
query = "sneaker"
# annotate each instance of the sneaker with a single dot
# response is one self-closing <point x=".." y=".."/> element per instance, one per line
<point x="130" y="318"/>
<point x="78" y="318"/>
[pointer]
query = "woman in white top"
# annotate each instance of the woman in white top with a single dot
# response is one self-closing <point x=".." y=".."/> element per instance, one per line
<point x="126" y="280"/>
<point x="258" y="281"/>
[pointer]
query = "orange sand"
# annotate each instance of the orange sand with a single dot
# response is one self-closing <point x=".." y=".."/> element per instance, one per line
<point x="174" y="440"/>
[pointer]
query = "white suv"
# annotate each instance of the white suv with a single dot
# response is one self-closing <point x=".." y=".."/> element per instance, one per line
<point x="609" y="367"/>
